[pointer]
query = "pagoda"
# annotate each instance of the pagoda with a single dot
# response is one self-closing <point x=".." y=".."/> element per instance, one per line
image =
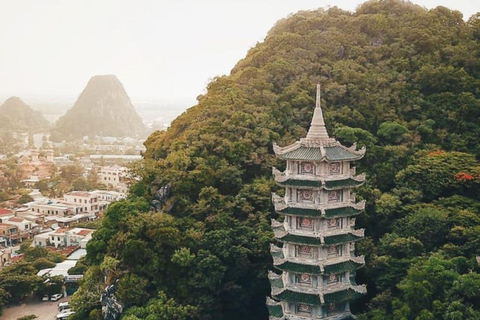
<point x="317" y="255"/>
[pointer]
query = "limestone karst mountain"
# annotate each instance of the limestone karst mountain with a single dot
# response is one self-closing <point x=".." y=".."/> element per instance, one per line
<point x="104" y="109"/>
<point x="16" y="115"/>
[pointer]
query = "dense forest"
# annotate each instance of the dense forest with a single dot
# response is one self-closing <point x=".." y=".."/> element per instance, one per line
<point x="397" y="78"/>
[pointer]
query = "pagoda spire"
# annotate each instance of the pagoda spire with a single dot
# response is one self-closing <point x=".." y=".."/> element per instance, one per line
<point x="317" y="130"/>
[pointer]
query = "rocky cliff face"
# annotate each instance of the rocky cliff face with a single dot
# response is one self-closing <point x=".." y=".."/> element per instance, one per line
<point x="103" y="108"/>
<point x="16" y="115"/>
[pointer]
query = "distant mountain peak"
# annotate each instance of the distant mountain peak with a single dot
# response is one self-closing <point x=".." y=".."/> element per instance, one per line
<point x="16" y="115"/>
<point x="103" y="108"/>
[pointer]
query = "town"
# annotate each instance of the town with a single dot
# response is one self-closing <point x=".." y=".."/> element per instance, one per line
<point x="54" y="201"/>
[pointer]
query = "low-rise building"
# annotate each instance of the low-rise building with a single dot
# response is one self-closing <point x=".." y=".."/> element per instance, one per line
<point x="66" y="222"/>
<point x="24" y="226"/>
<point x="64" y="237"/>
<point x="108" y="196"/>
<point x="11" y="233"/>
<point x="86" y="201"/>
<point x="42" y="239"/>
<point x="6" y="213"/>
<point x="114" y="177"/>
<point x="50" y="208"/>
<point x="78" y="237"/>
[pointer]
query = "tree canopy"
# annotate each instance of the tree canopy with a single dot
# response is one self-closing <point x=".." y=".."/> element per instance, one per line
<point x="397" y="78"/>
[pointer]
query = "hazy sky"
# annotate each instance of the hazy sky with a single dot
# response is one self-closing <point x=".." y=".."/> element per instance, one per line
<point x="162" y="50"/>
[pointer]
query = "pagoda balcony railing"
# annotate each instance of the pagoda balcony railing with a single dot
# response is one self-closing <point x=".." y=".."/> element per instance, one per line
<point x="322" y="232"/>
<point x="320" y="262"/>
<point x="280" y="176"/>
<point x="338" y="316"/>
<point x="280" y="204"/>
<point x="297" y="317"/>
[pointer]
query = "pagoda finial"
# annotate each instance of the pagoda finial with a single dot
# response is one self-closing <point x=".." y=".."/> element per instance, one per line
<point x="317" y="130"/>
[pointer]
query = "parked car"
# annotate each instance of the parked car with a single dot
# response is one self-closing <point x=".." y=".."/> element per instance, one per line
<point x="45" y="298"/>
<point x="63" y="307"/>
<point x="64" y="315"/>
<point x="56" y="297"/>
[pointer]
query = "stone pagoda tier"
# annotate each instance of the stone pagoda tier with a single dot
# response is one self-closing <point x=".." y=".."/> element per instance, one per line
<point x="317" y="258"/>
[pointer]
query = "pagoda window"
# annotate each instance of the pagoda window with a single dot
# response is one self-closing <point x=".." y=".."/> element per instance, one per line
<point x="335" y="308"/>
<point x="304" y="251"/>
<point x="304" y="309"/>
<point x="304" y="223"/>
<point x="304" y="280"/>
<point x="334" y="223"/>
<point x="305" y="195"/>
<point x="335" y="168"/>
<point x="334" y="251"/>
<point x="332" y="279"/>
<point x="335" y="196"/>
<point x="306" y="168"/>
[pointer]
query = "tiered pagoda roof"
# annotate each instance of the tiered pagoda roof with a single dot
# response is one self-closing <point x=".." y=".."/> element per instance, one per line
<point x="316" y="261"/>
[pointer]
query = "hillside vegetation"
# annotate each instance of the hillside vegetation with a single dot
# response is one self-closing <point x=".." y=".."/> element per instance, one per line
<point x="17" y="116"/>
<point x="400" y="79"/>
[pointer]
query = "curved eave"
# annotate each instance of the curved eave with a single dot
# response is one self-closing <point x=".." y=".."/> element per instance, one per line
<point x="344" y="295"/>
<point x="342" y="153"/>
<point x="300" y="212"/>
<point x="275" y="309"/>
<point x="275" y="312"/>
<point x="297" y="239"/>
<point x="299" y="297"/>
<point x="345" y="211"/>
<point x="350" y="265"/>
<point x="328" y="150"/>
<point x="342" y="238"/>
<point x="299" y="268"/>
<point x="299" y="183"/>
<point x="352" y="182"/>
<point x="342" y="267"/>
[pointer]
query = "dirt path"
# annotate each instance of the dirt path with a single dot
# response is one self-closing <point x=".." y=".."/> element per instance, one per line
<point x="42" y="309"/>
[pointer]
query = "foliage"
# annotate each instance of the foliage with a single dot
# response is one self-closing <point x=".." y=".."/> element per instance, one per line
<point x="160" y="308"/>
<point x="17" y="282"/>
<point x="396" y="78"/>
<point x="24" y="198"/>
<point x="29" y="317"/>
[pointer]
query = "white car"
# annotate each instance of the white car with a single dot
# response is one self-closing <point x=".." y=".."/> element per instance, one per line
<point x="56" y="297"/>
<point x="45" y="298"/>
<point x="63" y="307"/>
<point x="64" y="315"/>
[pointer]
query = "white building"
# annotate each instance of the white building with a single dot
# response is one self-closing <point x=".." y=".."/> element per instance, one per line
<point x="108" y="196"/>
<point x="22" y="224"/>
<point x="42" y="239"/>
<point x="49" y="208"/>
<point x="74" y="237"/>
<point x="114" y="177"/>
<point x="87" y="201"/>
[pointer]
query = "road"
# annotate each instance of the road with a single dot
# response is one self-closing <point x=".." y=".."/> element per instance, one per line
<point x="42" y="309"/>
